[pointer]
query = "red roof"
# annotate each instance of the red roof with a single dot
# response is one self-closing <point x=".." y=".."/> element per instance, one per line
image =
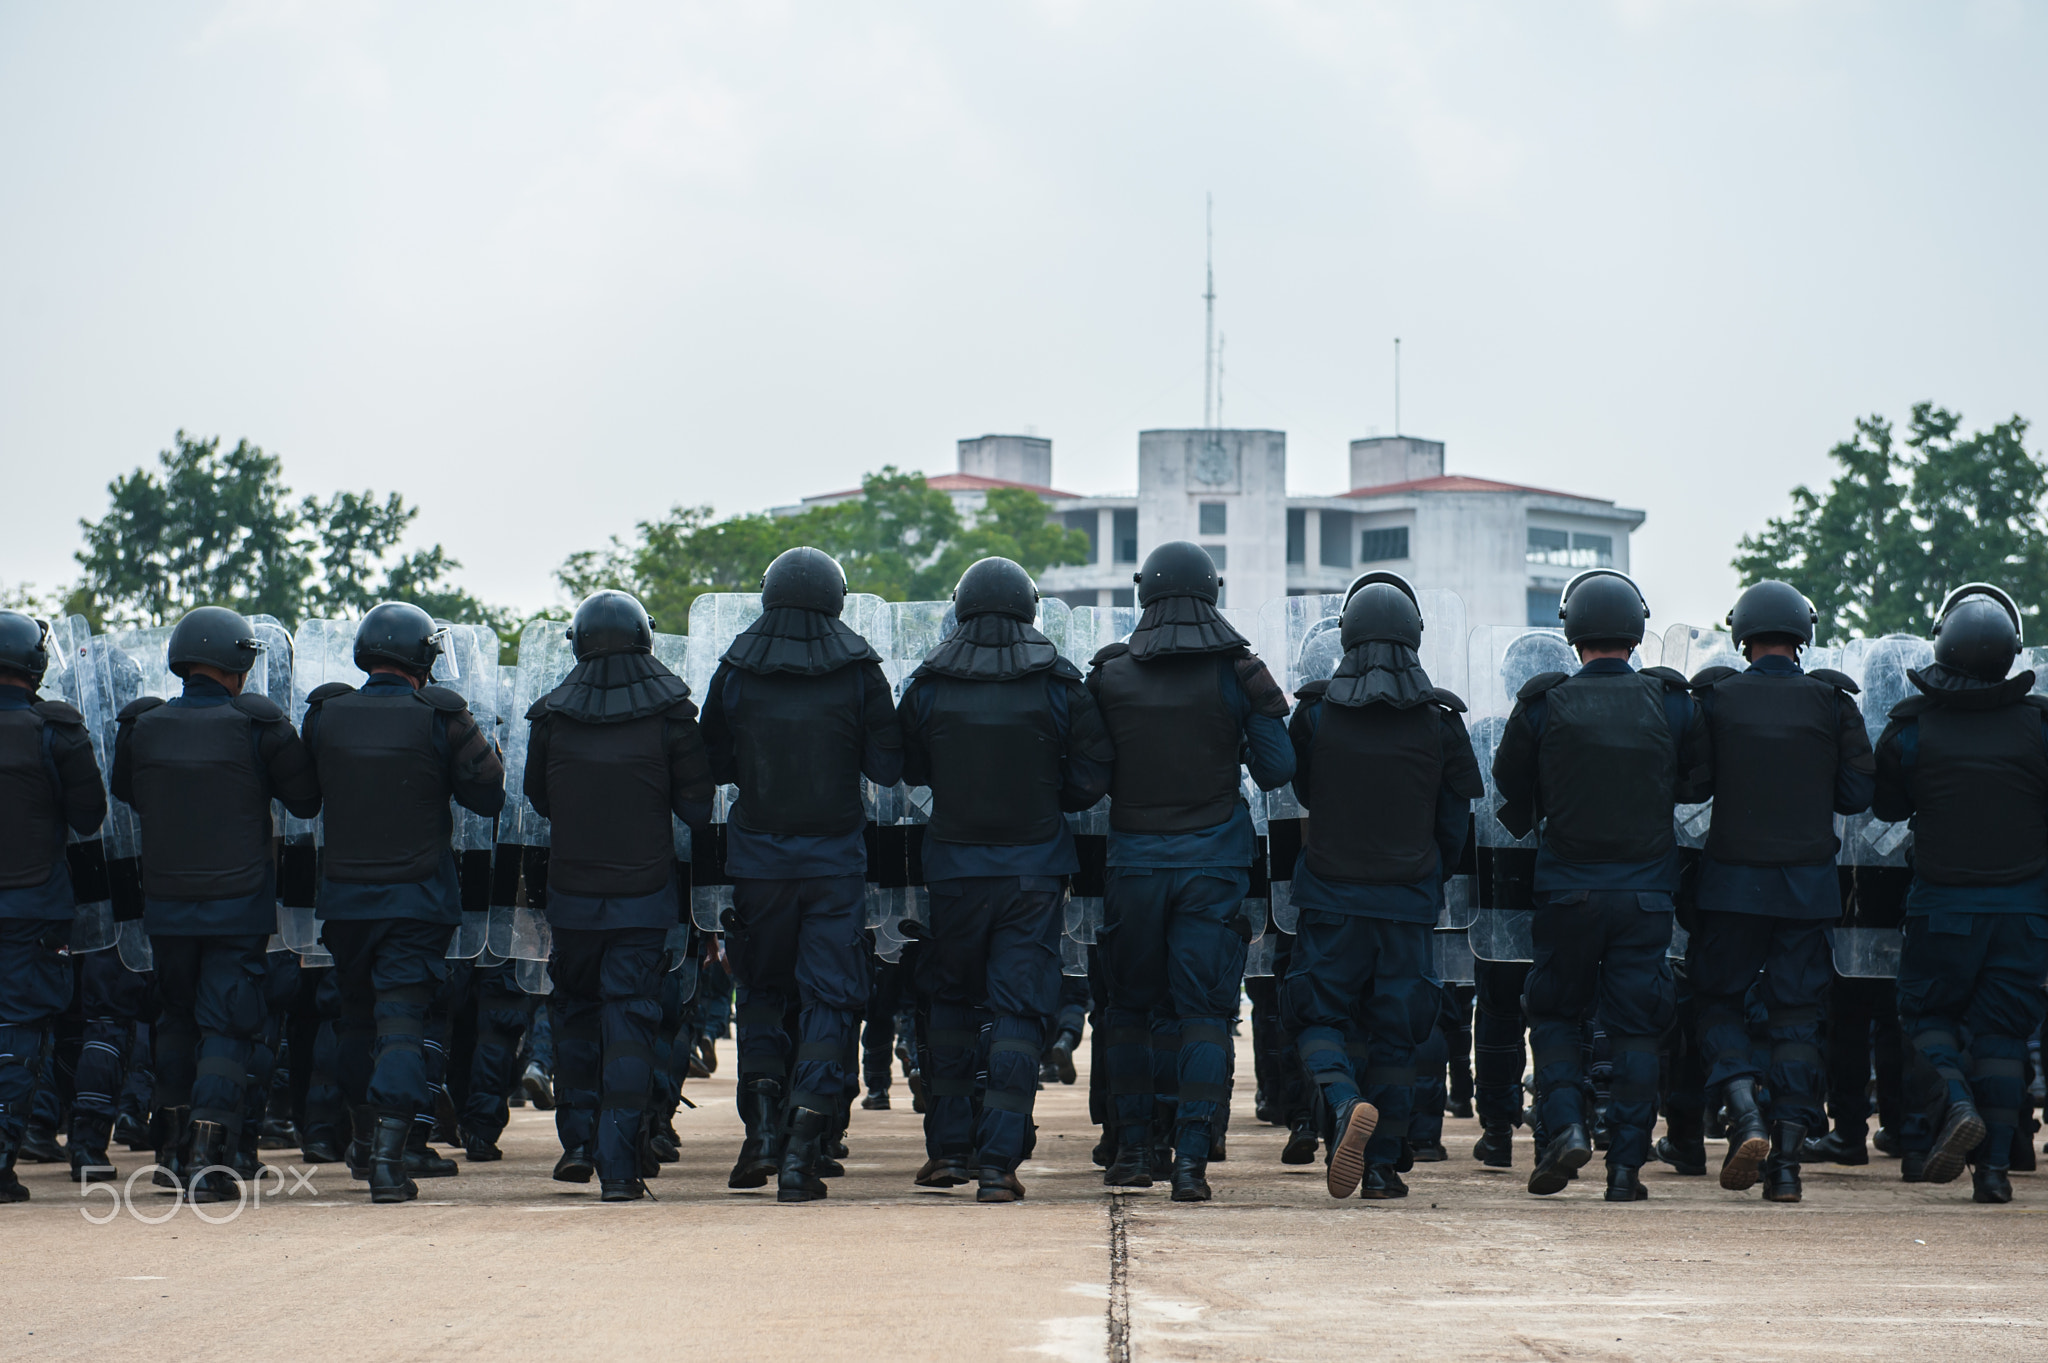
<point x="959" y="482"/>
<point x="1458" y="482"/>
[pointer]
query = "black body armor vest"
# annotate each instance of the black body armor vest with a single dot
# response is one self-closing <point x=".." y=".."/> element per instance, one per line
<point x="31" y="813"/>
<point x="384" y="789"/>
<point x="1777" y="745"/>
<point x="798" y="740"/>
<point x="995" y="755"/>
<point x="608" y="788"/>
<point x="1176" y="742"/>
<point x="1607" y="764"/>
<point x="1980" y="795"/>
<point x="204" y="802"/>
<point x="1372" y="814"/>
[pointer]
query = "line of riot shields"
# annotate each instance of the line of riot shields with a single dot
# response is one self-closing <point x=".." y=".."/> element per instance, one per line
<point x="503" y="863"/>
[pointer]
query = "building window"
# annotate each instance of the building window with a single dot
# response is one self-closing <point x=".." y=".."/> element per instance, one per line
<point x="1336" y="539"/>
<point x="1218" y="555"/>
<point x="1297" y="535"/>
<point x="1123" y="596"/>
<point x="1378" y="546"/>
<point x="1543" y="602"/>
<point x="1570" y="549"/>
<point x="1214" y="518"/>
<point x="1123" y="530"/>
<point x="1089" y="523"/>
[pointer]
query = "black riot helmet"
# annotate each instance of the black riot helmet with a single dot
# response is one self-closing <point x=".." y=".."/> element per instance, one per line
<point x="1381" y="606"/>
<point x="24" y="645"/>
<point x="215" y="636"/>
<point x="610" y="622"/>
<point x="398" y="632"/>
<point x="996" y="586"/>
<point x="1177" y="568"/>
<point x="1978" y="632"/>
<point x="1772" y="607"/>
<point x="1601" y="605"/>
<point x="806" y="578"/>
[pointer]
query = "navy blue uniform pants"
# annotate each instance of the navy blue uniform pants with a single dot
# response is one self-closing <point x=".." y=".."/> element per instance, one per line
<point x="797" y="944"/>
<point x="993" y="956"/>
<point x="214" y="1012"/>
<point x="387" y="970"/>
<point x="504" y="1014"/>
<point x="1499" y="1041"/>
<point x="1358" y="983"/>
<point x="35" y="986"/>
<point x="605" y="1015"/>
<point x="1604" y="950"/>
<point x="112" y="999"/>
<point x="1173" y="939"/>
<point x="1787" y="961"/>
<point x="1969" y="997"/>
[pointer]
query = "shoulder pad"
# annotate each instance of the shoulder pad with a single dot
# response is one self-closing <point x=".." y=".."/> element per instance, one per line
<point x="1707" y="676"/>
<point x="442" y="698"/>
<point x="257" y="707"/>
<point x="1108" y="651"/>
<point x="1311" y="691"/>
<point x="140" y="706"/>
<point x="1259" y="687"/>
<point x="57" y="712"/>
<point x="1065" y="670"/>
<point x="1841" y="681"/>
<point x="1540" y="683"/>
<point x="1449" y="700"/>
<point x="1670" y="676"/>
<point x="327" y="691"/>
<point x="538" y="708"/>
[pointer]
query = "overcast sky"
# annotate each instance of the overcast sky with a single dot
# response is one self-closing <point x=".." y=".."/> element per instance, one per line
<point x="548" y="269"/>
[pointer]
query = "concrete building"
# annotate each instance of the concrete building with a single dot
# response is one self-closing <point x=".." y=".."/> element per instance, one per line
<point x="1506" y="549"/>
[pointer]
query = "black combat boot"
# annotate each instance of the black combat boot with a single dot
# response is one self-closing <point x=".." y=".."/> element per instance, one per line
<point x="539" y="1087"/>
<point x="245" y="1161"/>
<point x="208" y="1177"/>
<point x="39" y="1146"/>
<point x="877" y="1099"/>
<point x="132" y="1131"/>
<point x="321" y="1145"/>
<point x="1625" y="1184"/>
<point x="760" y="1104"/>
<point x="1427" y="1152"/>
<point x="1847" y="1144"/>
<point x="171" y="1124"/>
<point x="1190" y="1176"/>
<point x="1162" y="1139"/>
<point x="575" y="1165"/>
<point x="621" y="1189"/>
<point x="88" y="1149"/>
<point x="1962" y="1131"/>
<point x="1683" y="1145"/>
<point x="390" y="1180"/>
<point x="1354" y="1126"/>
<point x="662" y="1138"/>
<point x="1912" y="1166"/>
<point x="10" y="1186"/>
<point x="1560" y="1160"/>
<point x="795" y="1181"/>
<point x="479" y="1148"/>
<point x="1301" y="1142"/>
<point x="361" y="1122"/>
<point x="1382" y="1183"/>
<point x="1781" y="1171"/>
<point x="1062" y="1055"/>
<point x="1132" y="1167"/>
<point x="421" y="1160"/>
<point x="1990" y="1184"/>
<point x="948" y="1169"/>
<point x="1495" y="1147"/>
<point x="1748" y="1143"/>
<point x="998" y="1185"/>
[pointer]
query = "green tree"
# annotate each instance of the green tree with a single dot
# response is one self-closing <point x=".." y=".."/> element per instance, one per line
<point x="1900" y="526"/>
<point x="1013" y="524"/>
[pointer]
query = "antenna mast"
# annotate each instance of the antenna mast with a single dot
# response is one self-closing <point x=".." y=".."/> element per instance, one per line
<point x="1209" y="322"/>
<point x="1221" y="340"/>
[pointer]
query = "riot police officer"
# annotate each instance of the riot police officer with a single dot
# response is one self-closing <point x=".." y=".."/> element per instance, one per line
<point x="613" y="759"/>
<point x="1596" y="761"/>
<point x="1790" y="752"/>
<point x="1384" y="767"/>
<point x="1002" y="730"/>
<point x="389" y="757"/>
<point x="1182" y="699"/>
<point x="1967" y="761"/>
<point x="201" y="771"/>
<point x="797" y="713"/>
<point x="49" y="782"/>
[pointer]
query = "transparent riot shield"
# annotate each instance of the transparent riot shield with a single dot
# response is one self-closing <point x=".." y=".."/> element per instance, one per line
<point x="1090" y="629"/>
<point x="1868" y="953"/>
<point x="1502" y="935"/>
<point x="531" y="975"/>
<point x="1073" y="957"/>
<point x="1055" y="619"/>
<point x="1502" y="659"/>
<point x="122" y="667"/>
<point x="300" y="928"/>
<point x="1461" y="904"/>
<point x="132" y="942"/>
<point x="70" y="678"/>
<point x="1452" y="957"/>
<point x="1879" y="667"/>
<point x="515" y="930"/>
<point x="1258" y="957"/>
<point x="1691" y="649"/>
